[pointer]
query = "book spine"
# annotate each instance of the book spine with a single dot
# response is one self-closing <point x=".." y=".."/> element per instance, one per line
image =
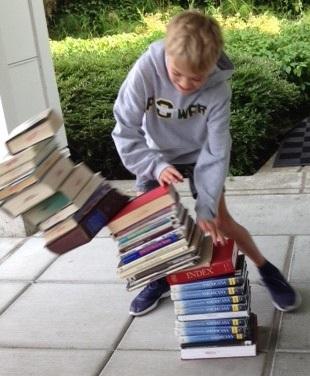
<point x="209" y="284"/>
<point x="210" y="309"/>
<point x="127" y="238"/>
<point x="211" y="338"/>
<point x="213" y="315"/>
<point x="150" y="248"/>
<point x="207" y="293"/>
<point x="215" y="352"/>
<point x="191" y="331"/>
<point x="234" y="299"/>
<point x="214" y="270"/>
<point x="211" y="322"/>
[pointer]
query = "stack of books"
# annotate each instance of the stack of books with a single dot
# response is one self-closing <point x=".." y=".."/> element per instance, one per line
<point x="213" y="307"/>
<point x="156" y="236"/>
<point x="69" y="203"/>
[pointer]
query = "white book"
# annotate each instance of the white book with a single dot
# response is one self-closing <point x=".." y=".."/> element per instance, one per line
<point x="39" y="191"/>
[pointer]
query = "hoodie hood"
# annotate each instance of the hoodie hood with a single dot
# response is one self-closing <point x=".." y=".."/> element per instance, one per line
<point x="222" y="71"/>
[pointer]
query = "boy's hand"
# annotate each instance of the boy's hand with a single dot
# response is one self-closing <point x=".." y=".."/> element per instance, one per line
<point x="170" y="175"/>
<point x="212" y="228"/>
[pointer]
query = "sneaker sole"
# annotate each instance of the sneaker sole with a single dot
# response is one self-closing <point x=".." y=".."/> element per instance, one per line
<point x="290" y="308"/>
<point x="153" y="306"/>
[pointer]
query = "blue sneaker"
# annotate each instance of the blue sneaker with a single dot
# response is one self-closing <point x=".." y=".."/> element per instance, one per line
<point x="149" y="297"/>
<point x="283" y="296"/>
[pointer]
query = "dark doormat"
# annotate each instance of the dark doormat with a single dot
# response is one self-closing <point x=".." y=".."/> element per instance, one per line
<point x="295" y="147"/>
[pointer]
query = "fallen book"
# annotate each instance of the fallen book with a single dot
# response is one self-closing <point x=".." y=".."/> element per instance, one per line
<point x="224" y="348"/>
<point x="46" y="187"/>
<point x="31" y="177"/>
<point x="96" y="188"/>
<point x="223" y="262"/>
<point x="19" y="170"/>
<point x="73" y="233"/>
<point x="31" y="155"/>
<point x="38" y="128"/>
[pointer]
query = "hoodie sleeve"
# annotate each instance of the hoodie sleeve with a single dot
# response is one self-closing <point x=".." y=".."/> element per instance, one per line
<point x="128" y="135"/>
<point x="213" y="161"/>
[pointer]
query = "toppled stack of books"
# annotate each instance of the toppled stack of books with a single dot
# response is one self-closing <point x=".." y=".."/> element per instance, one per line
<point x="212" y="303"/>
<point x="156" y="236"/>
<point x="69" y="203"/>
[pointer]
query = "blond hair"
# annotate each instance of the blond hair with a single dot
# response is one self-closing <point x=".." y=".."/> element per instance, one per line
<point x="194" y="38"/>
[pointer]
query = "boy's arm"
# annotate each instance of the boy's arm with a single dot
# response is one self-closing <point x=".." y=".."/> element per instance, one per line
<point x="128" y="135"/>
<point x="213" y="162"/>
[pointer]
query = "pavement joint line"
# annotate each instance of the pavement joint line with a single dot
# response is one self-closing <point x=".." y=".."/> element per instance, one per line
<point x="116" y="342"/>
<point x="13" y="250"/>
<point x="60" y="348"/>
<point x="81" y="282"/>
<point x="277" y="317"/>
<point x="303" y="182"/>
<point x="273" y="340"/>
<point x="293" y="351"/>
<point x="13" y="300"/>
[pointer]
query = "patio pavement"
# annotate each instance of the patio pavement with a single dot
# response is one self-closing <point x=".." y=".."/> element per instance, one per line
<point x="68" y="315"/>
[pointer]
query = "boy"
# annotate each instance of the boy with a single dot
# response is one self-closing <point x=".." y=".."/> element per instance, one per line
<point x="172" y="120"/>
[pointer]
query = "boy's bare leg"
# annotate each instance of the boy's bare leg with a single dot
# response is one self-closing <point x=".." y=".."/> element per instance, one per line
<point x="234" y="230"/>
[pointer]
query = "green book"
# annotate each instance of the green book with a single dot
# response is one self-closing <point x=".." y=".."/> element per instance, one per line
<point x="46" y="208"/>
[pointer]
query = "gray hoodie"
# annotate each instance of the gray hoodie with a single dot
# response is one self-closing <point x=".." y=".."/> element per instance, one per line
<point x="157" y="126"/>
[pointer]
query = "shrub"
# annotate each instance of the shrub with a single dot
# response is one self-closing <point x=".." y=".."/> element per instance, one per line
<point x="261" y="105"/>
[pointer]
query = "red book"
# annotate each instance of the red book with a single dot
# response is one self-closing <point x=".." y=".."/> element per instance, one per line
<point x="143" y="207"/>
<point x="223" y="262"/>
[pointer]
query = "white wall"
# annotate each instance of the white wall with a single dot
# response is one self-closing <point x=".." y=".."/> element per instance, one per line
<point x="27" y="78"/>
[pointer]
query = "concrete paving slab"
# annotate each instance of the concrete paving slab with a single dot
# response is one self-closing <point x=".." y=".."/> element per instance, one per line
<point x="8" y="244"/>
<point x="269" y="214"/>
<point x="294" y="332"/>
<point x="274" y="248"/>
<point x="9" y="291"/>
<point x="27" y="262"/>
<point x="39" y="362"/>
<point x="95" y="261"/>
<point x="307" y="179"/>
<point x="154" y="331"/>
<point x="168" y="363"/>
<point x="288" y="364"/>
<point x="300" y="262"/>
<point x="265" y="183"/>
<point x="89" y="316"/>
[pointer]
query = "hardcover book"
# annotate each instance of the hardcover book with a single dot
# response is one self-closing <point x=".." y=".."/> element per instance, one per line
<point x="223" y="262"/>
<point x="74" y="183"/>
<point x="38" y="128"/>
<point x="73" y="233"/>
<point x="17" y="169"/>
<point x="32" y="177"/>
<point x="234" y="279"/>
<point x="73" y="207"/>
<point x="33" y="155"/>
<point x="143" y="207"/>
<point x="46" y="208"/>
<point x="38" y="192"/>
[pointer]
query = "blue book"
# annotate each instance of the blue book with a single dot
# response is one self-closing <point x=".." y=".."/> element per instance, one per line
<point x="234" y="299"/>
<point x="242" y="321"/>
<point x="193" y="331"/>
<point x="211" y="338"/>
<point x="209" y="293"/>
<point x="211" y="309"/>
